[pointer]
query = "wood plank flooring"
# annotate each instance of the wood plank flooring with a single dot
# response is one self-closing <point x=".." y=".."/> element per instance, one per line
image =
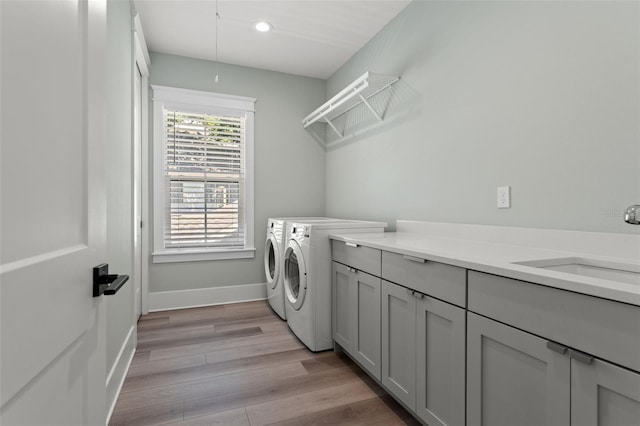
<point x="239" y="365"/>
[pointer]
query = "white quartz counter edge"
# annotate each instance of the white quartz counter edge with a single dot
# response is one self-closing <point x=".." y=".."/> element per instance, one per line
<point x="496" y="259"/>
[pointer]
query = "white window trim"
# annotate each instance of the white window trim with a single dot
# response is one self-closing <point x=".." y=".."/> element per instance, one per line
<point x="199" y="101"/>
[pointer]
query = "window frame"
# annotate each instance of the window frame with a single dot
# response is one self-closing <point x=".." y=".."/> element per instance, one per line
<point x="196" y="101"/>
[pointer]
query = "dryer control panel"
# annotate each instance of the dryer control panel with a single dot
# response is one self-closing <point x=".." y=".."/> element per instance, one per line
<point x="299" y="232"/>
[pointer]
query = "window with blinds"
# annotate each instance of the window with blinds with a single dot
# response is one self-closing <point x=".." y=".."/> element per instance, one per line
<point x="204" y="180"/>
<point x="203" y="177"/>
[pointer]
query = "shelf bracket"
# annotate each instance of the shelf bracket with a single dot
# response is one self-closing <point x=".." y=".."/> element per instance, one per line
<point x="373" y="111"/>
<point x="333" y="127"/>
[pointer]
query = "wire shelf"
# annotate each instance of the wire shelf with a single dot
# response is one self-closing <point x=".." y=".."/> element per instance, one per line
<point x="359" y="92"/>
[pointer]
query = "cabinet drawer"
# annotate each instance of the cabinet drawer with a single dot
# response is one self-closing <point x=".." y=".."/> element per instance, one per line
<point x="600" y="327"/>
<point x="435" y="279"/>
<point x="362" y="258"/>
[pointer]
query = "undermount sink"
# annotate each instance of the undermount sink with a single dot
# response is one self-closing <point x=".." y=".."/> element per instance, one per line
<point x="628" y="273"/>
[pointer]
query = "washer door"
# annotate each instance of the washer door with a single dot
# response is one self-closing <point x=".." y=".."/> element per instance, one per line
<point x="295" y="275"/>
<point x="271" y="261"/>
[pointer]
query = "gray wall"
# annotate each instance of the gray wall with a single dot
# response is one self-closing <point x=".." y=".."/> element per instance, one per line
<point x="542" y="96"/>
<point x="118" y="157"/>
<point x="289" y="164"/>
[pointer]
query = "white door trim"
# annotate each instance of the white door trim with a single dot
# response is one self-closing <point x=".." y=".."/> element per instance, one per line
<point x="142" y="60"/>
<point x="119" y="370"/>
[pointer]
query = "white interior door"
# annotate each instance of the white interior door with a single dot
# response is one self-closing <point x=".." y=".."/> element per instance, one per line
<point x="137" y="189"/>
<point x="52" y="343"/>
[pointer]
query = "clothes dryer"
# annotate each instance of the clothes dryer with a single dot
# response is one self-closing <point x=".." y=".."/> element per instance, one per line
<point x="275" y="244"/>
<point x="307" y="277"/>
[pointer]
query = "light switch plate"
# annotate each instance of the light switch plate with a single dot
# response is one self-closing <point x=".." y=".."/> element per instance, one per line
<point x="504" y="197"/>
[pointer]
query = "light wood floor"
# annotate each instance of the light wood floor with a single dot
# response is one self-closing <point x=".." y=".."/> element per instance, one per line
<point x="238" y="365"/>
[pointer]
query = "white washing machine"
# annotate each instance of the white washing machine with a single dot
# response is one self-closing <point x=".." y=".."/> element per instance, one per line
<point x="274" y="247"/>
<point x="307" y="277"/>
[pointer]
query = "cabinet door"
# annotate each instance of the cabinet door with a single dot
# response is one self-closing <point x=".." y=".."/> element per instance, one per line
<point x="440" y="362"/>
<point x="398" y="342"/>
<point x="603" y="394"/>
<point x="366" y="339"/>
<point x="343" y="314"/>
<point x="513" y="378"/>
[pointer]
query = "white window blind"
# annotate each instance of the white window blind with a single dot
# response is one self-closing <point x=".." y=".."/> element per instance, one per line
<point x="204" y="186"/>
<point x="202" y="175"/>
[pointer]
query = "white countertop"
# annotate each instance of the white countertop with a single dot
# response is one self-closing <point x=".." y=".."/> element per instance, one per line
<point x="497" y="257"/>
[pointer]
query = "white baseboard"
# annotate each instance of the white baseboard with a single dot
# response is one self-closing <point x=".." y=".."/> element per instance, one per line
<point x="169" y="300"/>
<point x="119" y="371"/>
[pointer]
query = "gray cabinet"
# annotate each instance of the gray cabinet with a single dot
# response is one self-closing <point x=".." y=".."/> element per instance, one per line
<point x="423" y="354"/>
<point x="399" y="342"/>
<point x="414" y="344"/>
<point x="362" y="258"/>
<point x="446" y="282"/>
<point x="440" y="362"/>
<point x="607" y="329"/>
<point x="342" y="306"/>
<point x="517" y="378"/>
<point x="366" y="339"/>
<point x="356" y="315"/>
<point x="497" y="363"/>
<point x="423" y="338"/>
<point x="603" y="394"/>
<point x="513" y="377"/>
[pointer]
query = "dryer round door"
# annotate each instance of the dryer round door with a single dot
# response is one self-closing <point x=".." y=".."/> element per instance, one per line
<point x="295" y="275"/>
<point x="271" y="261"/>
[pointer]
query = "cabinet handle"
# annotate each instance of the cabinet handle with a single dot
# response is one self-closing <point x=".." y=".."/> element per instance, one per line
<point x="353" y="270"/>
<point x="352" y="245"/>
<point x="556" y="347"/>
<point x="416" y="294"/>
<point x="581" y="357"/>
<point x="414" y="259"/>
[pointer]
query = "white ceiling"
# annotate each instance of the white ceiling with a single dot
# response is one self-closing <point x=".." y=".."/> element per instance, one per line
<point x="309" y="37"/>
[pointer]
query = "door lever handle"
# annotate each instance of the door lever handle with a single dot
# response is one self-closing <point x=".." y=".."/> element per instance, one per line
<point x="116" y="285"/>
<point x="105" y="283"/>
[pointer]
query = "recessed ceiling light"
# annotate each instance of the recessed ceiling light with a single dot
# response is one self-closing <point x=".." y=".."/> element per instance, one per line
<point x="263" y="26"/>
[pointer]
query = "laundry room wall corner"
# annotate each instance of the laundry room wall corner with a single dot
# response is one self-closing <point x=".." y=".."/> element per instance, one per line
<point x="287" y="162"/>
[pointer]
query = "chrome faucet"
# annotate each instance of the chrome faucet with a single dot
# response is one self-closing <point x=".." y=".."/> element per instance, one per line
<point x="632" y="214"/>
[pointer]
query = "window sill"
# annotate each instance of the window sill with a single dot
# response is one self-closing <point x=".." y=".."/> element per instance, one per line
<point x="201" y="255"/>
